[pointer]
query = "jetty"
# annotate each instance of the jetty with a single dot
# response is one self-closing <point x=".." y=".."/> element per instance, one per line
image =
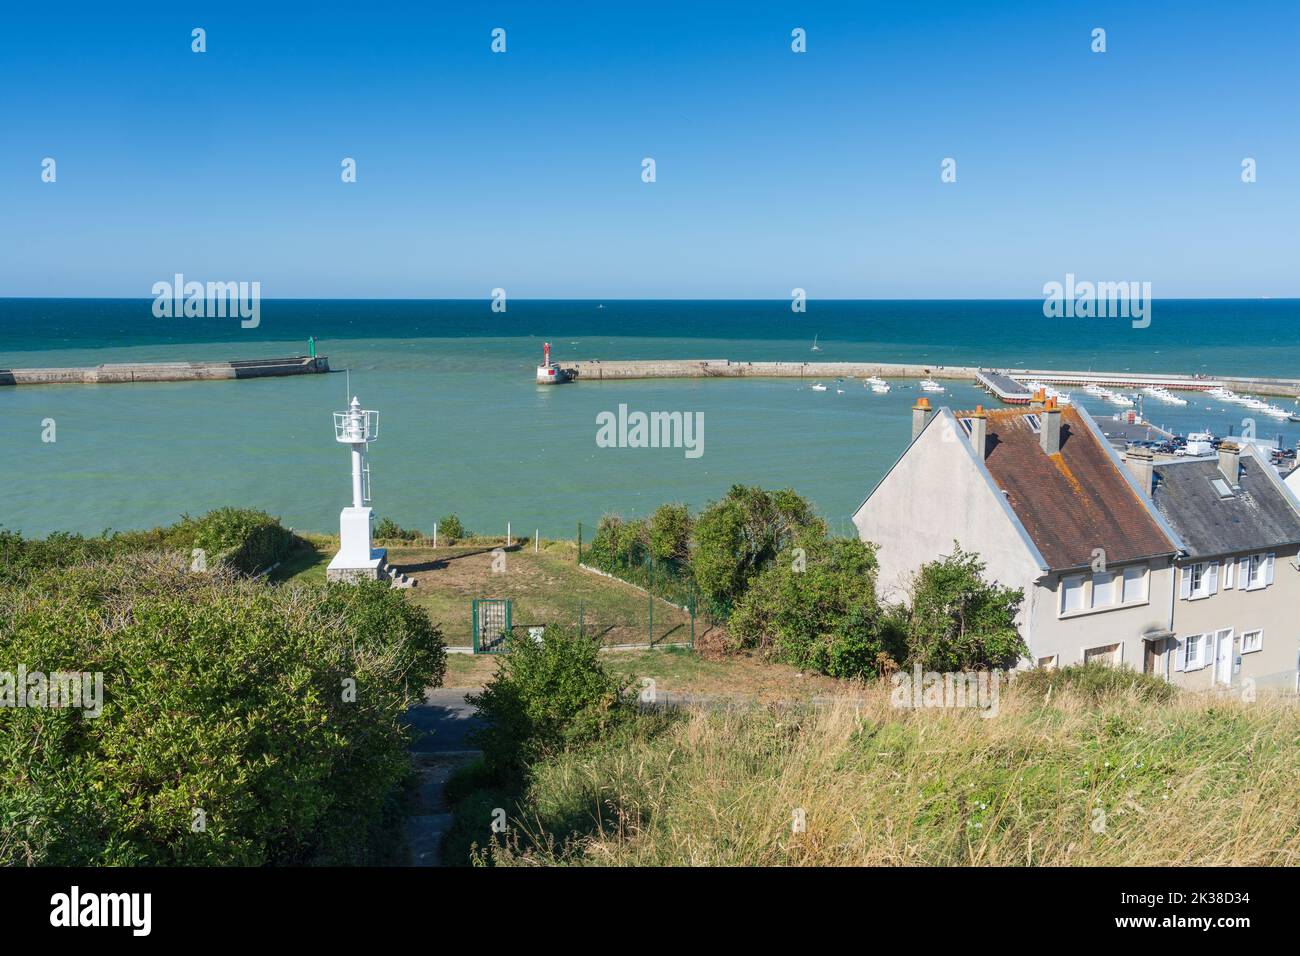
<point x="167" y="371"/>
<point x="1007" y="384"/>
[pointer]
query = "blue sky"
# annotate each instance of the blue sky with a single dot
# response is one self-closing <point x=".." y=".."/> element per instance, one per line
<point x="775" y="170"/>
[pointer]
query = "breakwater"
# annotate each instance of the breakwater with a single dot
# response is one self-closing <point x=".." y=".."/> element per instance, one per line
<point x="596" y="370"/>
<point x="166" y="371"/>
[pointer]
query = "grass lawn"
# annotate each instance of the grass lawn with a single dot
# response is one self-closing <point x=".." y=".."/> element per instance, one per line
<point x="680" y="671"/>
<point x="544" y="587"/>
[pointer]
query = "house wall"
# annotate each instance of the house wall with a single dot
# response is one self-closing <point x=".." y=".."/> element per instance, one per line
<point x="934" y="495"/>
<point x="1068" y="637"/>
<point x="1275" y="609"/>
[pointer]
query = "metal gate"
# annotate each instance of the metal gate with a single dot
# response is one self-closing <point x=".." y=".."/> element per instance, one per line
<point x="491" y="625"/>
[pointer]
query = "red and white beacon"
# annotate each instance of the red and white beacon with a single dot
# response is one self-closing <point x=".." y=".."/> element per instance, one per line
<point x="549" y="373"/>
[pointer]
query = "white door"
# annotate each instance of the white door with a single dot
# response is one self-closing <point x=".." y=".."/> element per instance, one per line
<point x="1223" y="658"/>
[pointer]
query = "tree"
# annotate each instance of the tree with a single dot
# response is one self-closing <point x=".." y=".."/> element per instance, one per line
<point x="959" y="621"/>
<point x="737" y="536"/>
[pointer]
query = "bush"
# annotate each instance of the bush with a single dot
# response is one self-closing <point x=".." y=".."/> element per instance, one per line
<point x="958" y="621"/>
<point x="389" y="530"/>
<point x="245" y="539"/>
<point x="815" y="607"/>
<point x="670" y="534"/>
<point x="220" y="694"/>
<point x="1095" y="682"/>
<point x="739" y="535"/>
<point x="547" y="696"/>
<point x="450" y="529"/>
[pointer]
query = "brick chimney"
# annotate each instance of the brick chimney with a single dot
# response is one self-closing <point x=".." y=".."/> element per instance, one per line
<point x="979" y="428"/>
<point x="1230" y="462"/>
<point x="1141" y="464"/>
<point x="920" y="415"/>
<point x="1049" y="435"/>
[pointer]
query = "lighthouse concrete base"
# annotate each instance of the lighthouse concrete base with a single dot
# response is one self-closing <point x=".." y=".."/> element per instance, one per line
<point x="356" y="558"/>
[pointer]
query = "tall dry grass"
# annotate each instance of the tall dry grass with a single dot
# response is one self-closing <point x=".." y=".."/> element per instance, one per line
<point x="1197" y="780"/>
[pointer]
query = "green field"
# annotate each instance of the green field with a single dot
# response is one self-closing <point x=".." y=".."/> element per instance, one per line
<point x="545" y="587"/>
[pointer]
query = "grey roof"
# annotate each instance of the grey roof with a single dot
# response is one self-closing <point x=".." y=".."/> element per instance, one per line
<point x="1259" y="515"/>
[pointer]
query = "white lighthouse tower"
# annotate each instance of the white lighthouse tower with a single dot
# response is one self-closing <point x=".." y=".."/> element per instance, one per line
<point x="356" y="558"/>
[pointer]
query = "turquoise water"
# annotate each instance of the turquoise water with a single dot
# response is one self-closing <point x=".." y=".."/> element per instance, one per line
<point x="464" y="429"/>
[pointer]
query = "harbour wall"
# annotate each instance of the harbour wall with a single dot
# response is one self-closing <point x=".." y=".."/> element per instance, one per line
<point x="597" y="370"/>
<point x="166" y="371"/>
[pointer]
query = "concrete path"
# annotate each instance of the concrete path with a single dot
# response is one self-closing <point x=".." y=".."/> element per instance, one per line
<point x="442" y="724"/>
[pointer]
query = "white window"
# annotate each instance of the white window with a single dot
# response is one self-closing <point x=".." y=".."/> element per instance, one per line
<point x="1047" y="663"/>
<point x="1255" y="572"/>
<point x="1195" y="652"/>
<point x="1135" y="585"/>
<point x="1199" y="580"/>
<point x="1104" y="590"/>
<point x="1072" y="593"/>
<point x="1252" y="641"/>
<point x="1107" y="654"/>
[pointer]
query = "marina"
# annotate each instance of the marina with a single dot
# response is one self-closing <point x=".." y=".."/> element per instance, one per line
<point x="1008" y="385"/>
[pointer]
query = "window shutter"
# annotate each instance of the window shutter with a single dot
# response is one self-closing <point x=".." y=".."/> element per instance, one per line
<point x="1212" y="578"/>
<point x="1185" y="582"/>
<point x="1268" y="569"/>
<point x="1243" y="574"/>
<point x="1228" y="567"/>
<point x="1180" y="654"/>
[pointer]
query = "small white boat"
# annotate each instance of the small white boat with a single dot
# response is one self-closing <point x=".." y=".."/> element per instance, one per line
<point x="1116" y="398"/>
<point x="1256" y="404"/>
<point x="930" y="385"/>
<point x="1096" y="390"/>
<point x="839" y="391"/>
<point x="880" y="388"/>
<point x="1275" y="410"/>
<point x="873" y="380"/>
<point x="819" y="387"/>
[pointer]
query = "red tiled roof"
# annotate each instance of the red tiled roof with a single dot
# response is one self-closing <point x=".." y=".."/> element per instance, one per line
<point x="1073" y="501"/>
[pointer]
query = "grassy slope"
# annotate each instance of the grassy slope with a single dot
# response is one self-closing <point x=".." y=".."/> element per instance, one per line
<point x="545" y="587"/>
<point x="1197" y="780"/>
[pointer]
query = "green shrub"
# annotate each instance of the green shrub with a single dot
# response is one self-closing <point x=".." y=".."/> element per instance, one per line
<point x="547" y="696"/>
<point x="222" y="695"/>
<point x="959" y="621"/>
<point x="245" y="539"/>
<point x="736" y="537"/>
<point x="389" y="530"/>
<point x="670" y="534"/>
<point x="815" y="607"/>
<point x="1094" y="681"/>
<point x="450" y="529"/>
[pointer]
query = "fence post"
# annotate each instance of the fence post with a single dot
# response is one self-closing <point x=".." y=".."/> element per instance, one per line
<point x="435" y="536"/>
<point x="580" y="542"/>
<point x="692" y="618"/>
<point x="537" y="539"/>
<point x="581" y="605"/>
<point x="650" y="601"/>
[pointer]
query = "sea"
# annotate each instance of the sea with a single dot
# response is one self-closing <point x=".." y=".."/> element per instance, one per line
<point x="464" y="429"/>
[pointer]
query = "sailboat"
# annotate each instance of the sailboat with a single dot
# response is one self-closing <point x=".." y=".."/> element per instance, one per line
<point x="815" y="346"/>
